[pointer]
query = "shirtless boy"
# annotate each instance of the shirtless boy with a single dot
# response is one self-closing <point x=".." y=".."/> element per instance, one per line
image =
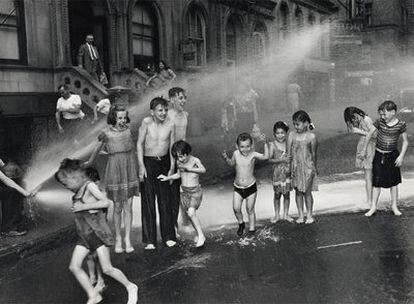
<point x="180" y="119"/>
<point x="189" y="169"/>
<point x="155" y="139"/>
<point x="245" y="187"/>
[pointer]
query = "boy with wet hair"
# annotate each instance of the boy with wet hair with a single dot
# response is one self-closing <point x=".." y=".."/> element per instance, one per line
<point x="387" y="159"/>
<point x="155" y="139"/>
<point x="245" y="188"/>
<point x="189" y="169"/>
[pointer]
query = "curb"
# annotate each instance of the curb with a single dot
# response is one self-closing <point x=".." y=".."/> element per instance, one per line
<point x="12" y="254"/>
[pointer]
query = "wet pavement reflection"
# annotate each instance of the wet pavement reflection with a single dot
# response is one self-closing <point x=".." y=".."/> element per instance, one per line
<point x="344" y="258"/>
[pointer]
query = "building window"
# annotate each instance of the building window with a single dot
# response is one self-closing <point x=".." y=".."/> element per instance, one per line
<point x="195" y="54"/>
<point x="299" y="18"/>
<point x="284" y="18"/>
<point x="368" y="14"/>
<point x="259" y="42"/>
<point x="12" y="32"/>
<point x="311" y="19"/>
<point x="144" y="37"/>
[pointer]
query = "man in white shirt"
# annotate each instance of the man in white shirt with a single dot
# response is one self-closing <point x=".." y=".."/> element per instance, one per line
<point x="69" y="108"/>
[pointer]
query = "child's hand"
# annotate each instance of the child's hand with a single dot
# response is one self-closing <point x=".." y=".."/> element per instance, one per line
<point x="61" y="131"/>
<point x="399" y="161"/>
<point x="262" y="137"/>
<point x="162" y="178"/>
<point x="224" y="154"/>
<point x="362" y="154"/>
<point x="142" y="173"/>
<point x="78" y="207"/>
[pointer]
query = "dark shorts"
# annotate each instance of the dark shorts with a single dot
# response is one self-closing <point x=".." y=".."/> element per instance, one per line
<point x="246" y="192"/>
<point x="91" y="241"/>
<point x="384" y="172"/>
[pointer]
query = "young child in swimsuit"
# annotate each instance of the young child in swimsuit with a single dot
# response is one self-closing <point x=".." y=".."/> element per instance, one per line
<point x="245" y="188"/>
<point x="189" y="169"/>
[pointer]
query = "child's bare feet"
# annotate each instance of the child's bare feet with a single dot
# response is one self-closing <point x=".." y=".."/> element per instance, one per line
<point x="371" y="212"/>
<point x="128" y="246"/>
<point x="149" y="247"/>
<point x="289" y="219"/>
<point x="396" y="211"/>
<point x="132" y="293"/>
<point x="200" y="241"/>
<point x="309" y="220"/>
<point x="100" y="286"/>
<point x="275" y="219"/>
<point x="300" y="220"/>
<point x="118" y="246"/>
<point x="95" y="300"/>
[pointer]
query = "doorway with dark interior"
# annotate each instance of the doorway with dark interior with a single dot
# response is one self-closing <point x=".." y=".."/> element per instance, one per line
<point x="89" y="17"/>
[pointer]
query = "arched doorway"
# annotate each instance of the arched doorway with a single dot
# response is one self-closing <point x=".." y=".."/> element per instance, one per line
<point x="88" y="17"/>
<point x="284" y="20"/>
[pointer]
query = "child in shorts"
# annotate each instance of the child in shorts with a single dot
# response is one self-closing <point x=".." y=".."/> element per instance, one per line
<point x="189" y="169"/>
<point x="245" y="188"/>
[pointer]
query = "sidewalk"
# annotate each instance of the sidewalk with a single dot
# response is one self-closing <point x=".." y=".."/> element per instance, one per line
<point x="215" y="212"/>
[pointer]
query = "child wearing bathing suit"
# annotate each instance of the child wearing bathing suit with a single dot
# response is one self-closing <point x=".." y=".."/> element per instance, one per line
<point x="92" y="228"/>
<point x="189" y="169"/>
<point x="245" y="188"/>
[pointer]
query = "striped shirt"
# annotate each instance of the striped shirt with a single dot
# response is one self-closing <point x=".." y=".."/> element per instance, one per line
<point x="387" y="136"/>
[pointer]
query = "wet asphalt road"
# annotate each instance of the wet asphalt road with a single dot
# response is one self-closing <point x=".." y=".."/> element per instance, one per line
<point x="340" y="259"/>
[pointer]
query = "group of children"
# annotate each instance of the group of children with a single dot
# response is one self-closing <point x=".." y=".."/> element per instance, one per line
<point x="293" y="156"/>
<point x="377" y="151"/>
<point x="162" y="159"/>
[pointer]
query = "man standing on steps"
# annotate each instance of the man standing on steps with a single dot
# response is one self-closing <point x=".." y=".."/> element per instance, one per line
<point x="180" y="119"/>
<point x="88" y="58"/>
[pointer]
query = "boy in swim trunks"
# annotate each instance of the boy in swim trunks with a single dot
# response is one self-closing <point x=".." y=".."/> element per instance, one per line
<point x="245" y="187"/>
<point x="189" y="169"/>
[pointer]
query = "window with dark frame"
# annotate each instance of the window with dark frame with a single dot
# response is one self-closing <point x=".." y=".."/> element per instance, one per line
<point x="196" y="36"/>
<point x="144" y="38"/>
<point x="12" y="32"/>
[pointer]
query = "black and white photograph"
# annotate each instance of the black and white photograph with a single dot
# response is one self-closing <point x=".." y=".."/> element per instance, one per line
<point x="206" y="151"/>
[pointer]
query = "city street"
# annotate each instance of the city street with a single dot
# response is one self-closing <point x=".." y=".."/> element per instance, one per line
<point x="342" y="258"/>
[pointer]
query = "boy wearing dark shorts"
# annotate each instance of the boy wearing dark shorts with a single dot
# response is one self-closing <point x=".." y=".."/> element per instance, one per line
<point x="387" y="160"/>
<point x="245" y="188"/>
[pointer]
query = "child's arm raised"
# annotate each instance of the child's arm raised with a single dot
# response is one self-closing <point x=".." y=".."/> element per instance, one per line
<point x="264" y="156"/>
<point x="95" y="152"/>
<point x="400" y="158"/>
<point x="10" y="183"/>
<point x="102" y="200"/>
<point x="230" y="161"/>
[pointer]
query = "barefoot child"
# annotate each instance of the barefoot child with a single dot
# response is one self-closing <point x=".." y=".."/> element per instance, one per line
<point x="387" y="160"/>
<point x="245" y="188"/>
<point x="358" y="122"/>
<point x="93" y="229"/>
<point x="155" y="139"/>
<point x="189" y="169"/>
<point x="121" y="172"/>
<point x="302" y="146"/>
<point x="281" y="171"/>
